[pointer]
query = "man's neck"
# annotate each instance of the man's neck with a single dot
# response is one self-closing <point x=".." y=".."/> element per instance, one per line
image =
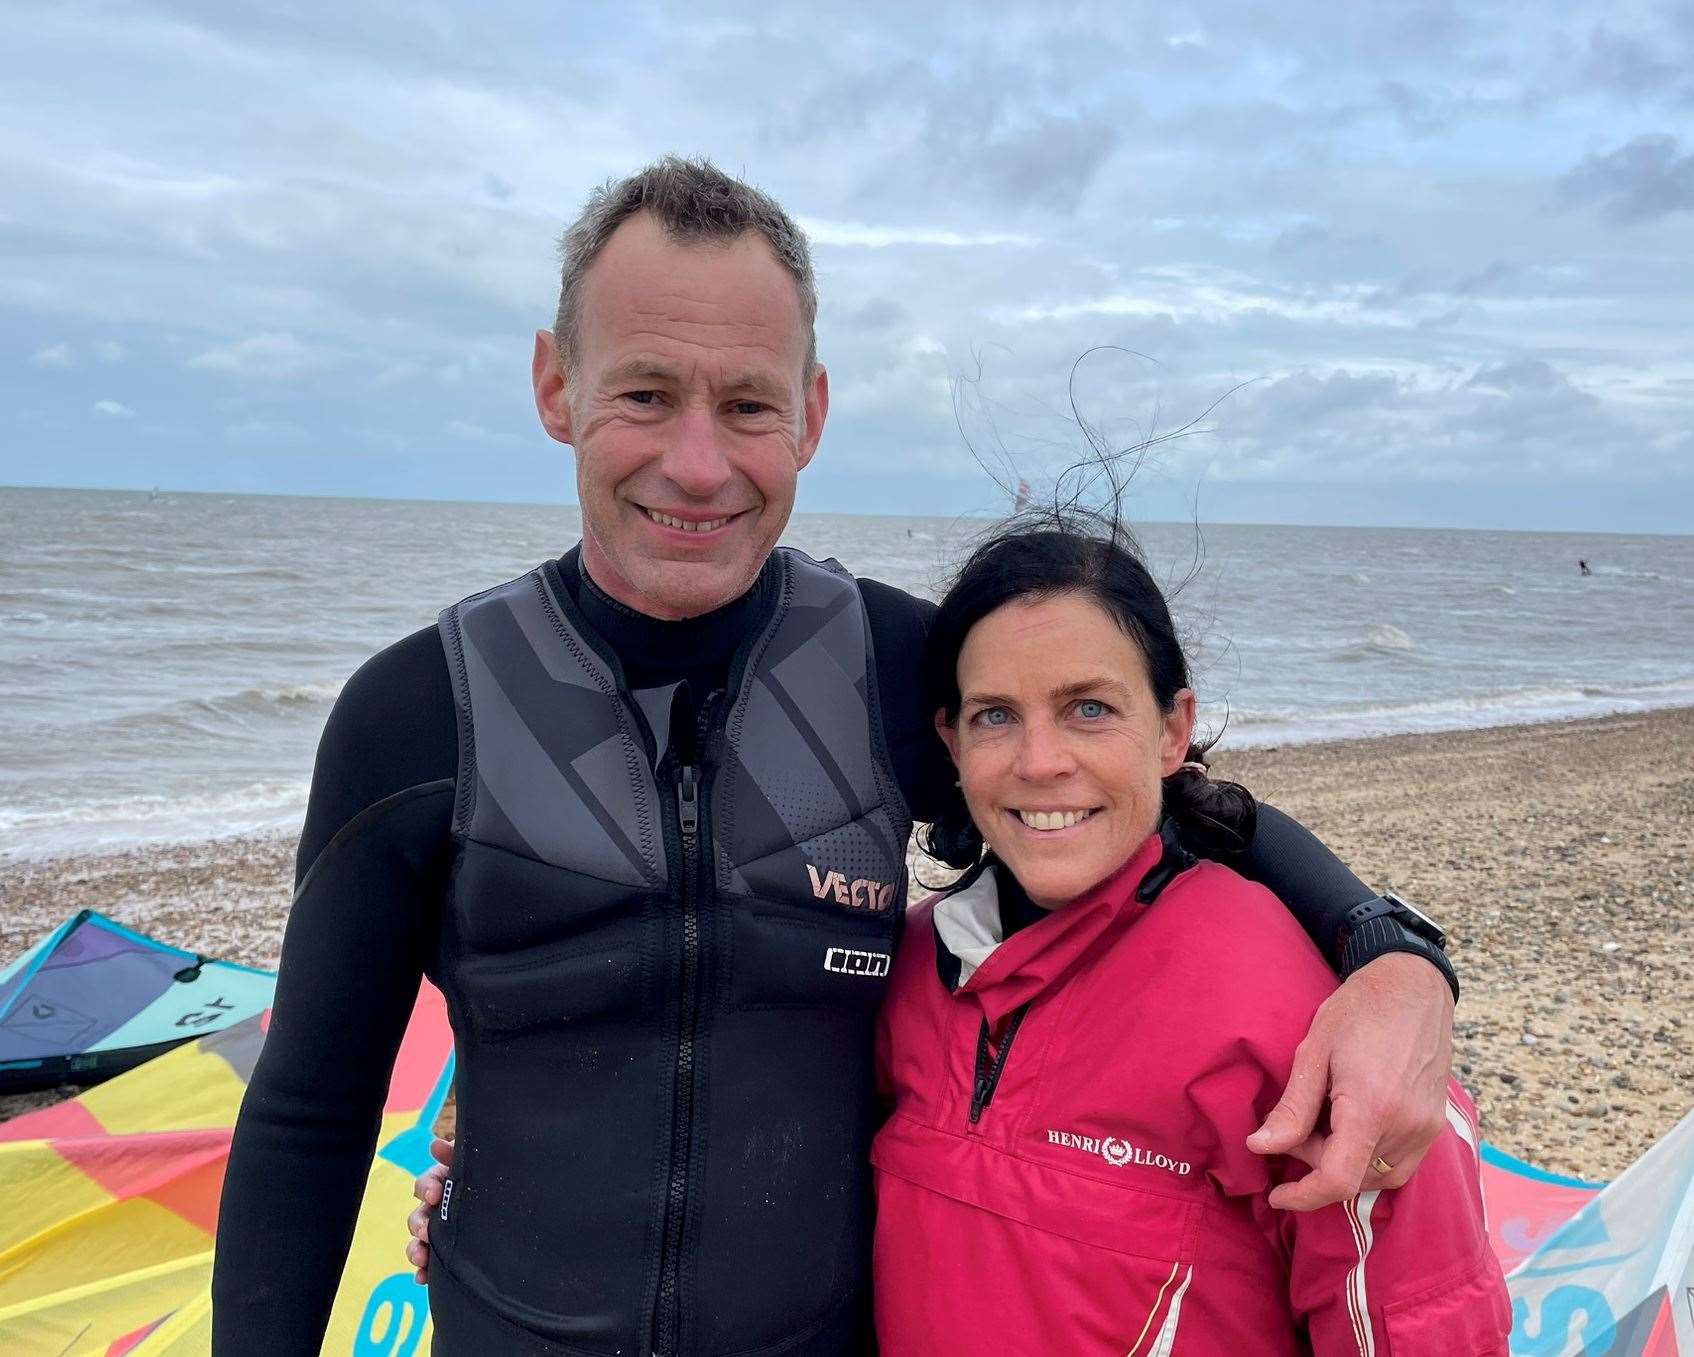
<point x="656" y="651"/>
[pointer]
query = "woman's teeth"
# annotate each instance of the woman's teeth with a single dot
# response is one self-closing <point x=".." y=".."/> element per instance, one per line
<point x="1053" y="819"/>
<point x="671" y="521"/>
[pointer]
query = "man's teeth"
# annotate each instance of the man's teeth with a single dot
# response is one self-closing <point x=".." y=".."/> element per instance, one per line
<point x="672" y="521"/>
<point x="1053" y="819"/>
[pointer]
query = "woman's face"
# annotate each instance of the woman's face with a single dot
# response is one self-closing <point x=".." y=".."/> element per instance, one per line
<point x="1060" y="743"/>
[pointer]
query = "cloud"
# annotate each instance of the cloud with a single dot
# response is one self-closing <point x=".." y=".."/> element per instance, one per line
<point x="1642" y="179"/>
<point x="296" y="214"/>
<point x="849" y="234"/>
<point x="53" y="356"/>
<point x="111" y="409"/>
<point x="273" y="356"/>
<point x="1526" y="374"/>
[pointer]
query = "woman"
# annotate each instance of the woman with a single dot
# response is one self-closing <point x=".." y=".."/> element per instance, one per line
<point x="1081" y="1034"/>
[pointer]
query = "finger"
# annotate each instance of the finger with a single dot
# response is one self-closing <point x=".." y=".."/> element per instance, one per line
<point x="441" y="1149"/>
<point x="1405" y="1164"/>
<point x="1295" y="1116"/>
<point x="417" y="1224"/>
<point x="1341" y="1170"/>
<point x="1310" y="1150"/>
<point x="427" y="1188"/>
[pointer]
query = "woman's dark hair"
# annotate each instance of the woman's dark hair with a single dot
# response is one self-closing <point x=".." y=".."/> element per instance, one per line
<point x="1074" y="551"/>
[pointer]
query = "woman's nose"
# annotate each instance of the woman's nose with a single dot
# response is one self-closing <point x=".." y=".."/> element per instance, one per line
<point x="1043" y="752"/>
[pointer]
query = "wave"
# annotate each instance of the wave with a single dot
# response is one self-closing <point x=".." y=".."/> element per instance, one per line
<point x="1382" y="641"/>
<point x="1619" y="572"/>
<point x="83" y="826"/>
<point x="239" y="714"/>
<point x="1511" y="707"/>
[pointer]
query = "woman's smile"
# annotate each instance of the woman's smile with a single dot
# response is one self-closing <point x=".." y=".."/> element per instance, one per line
<point x="1051" y="822"/>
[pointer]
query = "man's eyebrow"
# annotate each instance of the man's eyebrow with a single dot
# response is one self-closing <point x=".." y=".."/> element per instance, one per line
<point x="639" y="369"/>
<point x="760" y="383"/>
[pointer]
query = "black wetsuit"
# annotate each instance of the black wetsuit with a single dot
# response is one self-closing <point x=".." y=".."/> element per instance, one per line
<point x="372" y="874"/>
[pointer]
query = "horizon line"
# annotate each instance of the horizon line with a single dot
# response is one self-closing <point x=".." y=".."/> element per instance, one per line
<point x="163" y="490"/>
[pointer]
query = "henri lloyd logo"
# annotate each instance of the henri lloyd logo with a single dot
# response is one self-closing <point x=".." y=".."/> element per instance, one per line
<point x="861" y="894"/>
<point x="851" y="961"/>
<point x="1118" y="1153"/>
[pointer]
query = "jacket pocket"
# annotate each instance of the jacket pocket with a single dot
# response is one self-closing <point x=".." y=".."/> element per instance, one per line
<point x="1470" y="1319"/>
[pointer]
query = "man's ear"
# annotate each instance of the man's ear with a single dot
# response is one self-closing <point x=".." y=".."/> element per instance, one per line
<point x="949" y="734"/>
<point x="1178" y="732"/>
<point x="816" y="411"/>
<point x="552" y="388"/>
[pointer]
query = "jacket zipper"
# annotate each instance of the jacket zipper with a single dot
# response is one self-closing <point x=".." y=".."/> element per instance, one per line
<point x="689" y="788"/>
<point x="989" y="1065"/>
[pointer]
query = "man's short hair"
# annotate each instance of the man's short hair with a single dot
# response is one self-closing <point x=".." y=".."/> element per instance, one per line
<point x="694" y="201"/>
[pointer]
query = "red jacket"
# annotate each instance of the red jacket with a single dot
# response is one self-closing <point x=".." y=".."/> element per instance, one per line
<point x="1104" y="1200"/>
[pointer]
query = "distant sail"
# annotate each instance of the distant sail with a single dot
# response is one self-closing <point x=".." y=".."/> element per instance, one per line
<point x="1022" y="501"/>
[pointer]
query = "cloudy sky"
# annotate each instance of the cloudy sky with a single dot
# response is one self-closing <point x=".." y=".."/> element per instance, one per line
<point x="1395" y="263"/>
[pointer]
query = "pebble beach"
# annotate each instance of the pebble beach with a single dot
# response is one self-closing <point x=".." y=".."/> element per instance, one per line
<point x="1559" y="856"/>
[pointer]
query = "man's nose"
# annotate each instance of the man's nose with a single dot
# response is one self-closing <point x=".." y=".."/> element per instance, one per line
<point x="695" y="462"/>
<point x="1043" y="752"/>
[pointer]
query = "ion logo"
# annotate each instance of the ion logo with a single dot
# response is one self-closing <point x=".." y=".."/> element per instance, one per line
<point x="851" y="961"/>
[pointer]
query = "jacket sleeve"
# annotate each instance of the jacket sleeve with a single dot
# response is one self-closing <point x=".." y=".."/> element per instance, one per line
<point x="364" y="920"/>
<point x="1318" y="889"/>
<point x="1407" y="1272"/>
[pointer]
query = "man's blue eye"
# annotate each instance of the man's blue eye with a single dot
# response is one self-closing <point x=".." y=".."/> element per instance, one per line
<point x="749" y="408"/>
<point x="995" y="716"/>
<point x="641" y="397"/>
<point x="1090" y="710"/>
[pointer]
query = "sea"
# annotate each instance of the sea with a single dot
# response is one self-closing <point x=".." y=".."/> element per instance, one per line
<point x="167" y="660"/>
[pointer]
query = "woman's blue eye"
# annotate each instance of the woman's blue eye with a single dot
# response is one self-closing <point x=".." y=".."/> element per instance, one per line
<point x="994" y="716"/>
<point x="1091" y="710"/>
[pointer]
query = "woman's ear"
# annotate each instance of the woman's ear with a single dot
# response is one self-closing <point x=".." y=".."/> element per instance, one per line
<point x="949" y="734"/>
<point x="1178" y="733"/>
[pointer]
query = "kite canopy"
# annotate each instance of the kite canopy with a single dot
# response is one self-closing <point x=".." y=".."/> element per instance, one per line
<point x="94" y="998"/>
<point x="1610" y="1273"/>
<point x="106" y="1247"/>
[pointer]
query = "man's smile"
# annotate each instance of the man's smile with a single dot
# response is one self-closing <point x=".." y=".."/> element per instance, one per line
<point x="692" y="524"/>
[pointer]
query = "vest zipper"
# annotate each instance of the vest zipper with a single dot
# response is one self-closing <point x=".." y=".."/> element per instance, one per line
<point x="682" y="1116"/>
<point x="690" y="792"/>
<point x="988" y="1067"/>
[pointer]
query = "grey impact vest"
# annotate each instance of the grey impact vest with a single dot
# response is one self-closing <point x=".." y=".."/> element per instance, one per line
<point x="663" y="952"/>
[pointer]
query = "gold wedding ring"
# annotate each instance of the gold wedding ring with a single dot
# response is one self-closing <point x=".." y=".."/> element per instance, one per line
<point x="1381" y="1165"/>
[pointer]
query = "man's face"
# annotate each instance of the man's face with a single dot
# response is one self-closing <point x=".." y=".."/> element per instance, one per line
<point x="691" y="414"/>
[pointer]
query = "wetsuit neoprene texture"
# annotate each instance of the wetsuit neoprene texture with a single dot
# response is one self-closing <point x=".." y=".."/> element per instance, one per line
<point x="372" y="874"/>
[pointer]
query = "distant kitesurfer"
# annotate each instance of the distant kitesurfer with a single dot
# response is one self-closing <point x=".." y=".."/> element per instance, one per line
<point x="1583" y="566"/>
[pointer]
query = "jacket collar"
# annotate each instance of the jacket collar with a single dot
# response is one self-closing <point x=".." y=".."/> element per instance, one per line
<point x="974" y="957"/>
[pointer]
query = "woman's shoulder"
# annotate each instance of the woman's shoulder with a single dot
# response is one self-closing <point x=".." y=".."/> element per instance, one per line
<point x="1241" y="939"/>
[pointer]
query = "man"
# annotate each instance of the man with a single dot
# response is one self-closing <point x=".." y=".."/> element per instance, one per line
<point x="641" y="814"/>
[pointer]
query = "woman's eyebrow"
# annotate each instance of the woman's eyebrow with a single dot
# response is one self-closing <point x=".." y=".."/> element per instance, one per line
<point x="1090" y="685"/>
